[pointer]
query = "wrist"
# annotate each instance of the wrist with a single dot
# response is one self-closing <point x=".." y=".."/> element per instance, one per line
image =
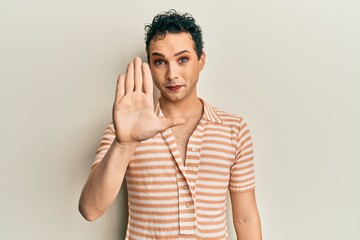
<point x="125" y="145"/>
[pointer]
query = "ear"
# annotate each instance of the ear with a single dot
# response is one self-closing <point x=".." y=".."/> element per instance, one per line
<point x="202" y="60"/>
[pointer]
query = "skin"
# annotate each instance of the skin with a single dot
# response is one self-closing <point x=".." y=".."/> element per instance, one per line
<point x="245" y="216"/>
<point x="174" y="62"/>
<point x="174" y="69"/>
<point x="134" y="121"/>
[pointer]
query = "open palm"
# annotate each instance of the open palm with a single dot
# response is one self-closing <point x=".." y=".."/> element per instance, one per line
<point x="134" y="118"/>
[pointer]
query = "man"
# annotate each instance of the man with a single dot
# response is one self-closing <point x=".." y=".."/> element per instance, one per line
<point x="181" y="156"/>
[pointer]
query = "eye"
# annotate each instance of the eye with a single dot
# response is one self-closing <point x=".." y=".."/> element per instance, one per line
<point x="159" y="62"/>
<point x="183" y="60"/>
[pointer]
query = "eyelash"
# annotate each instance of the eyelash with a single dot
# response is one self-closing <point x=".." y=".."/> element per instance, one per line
<point x="157" y="62"/>
<point x="182" y="60"/>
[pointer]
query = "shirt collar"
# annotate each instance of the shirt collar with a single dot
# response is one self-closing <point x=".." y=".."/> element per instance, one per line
<point x="209" y="114"/>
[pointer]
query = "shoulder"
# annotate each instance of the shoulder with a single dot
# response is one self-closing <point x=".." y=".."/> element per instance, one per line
<point x="226" y="118"/>
<point x="226" y="121"/>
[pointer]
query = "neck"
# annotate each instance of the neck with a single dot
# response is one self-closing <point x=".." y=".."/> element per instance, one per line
<point x="185" y="108"/>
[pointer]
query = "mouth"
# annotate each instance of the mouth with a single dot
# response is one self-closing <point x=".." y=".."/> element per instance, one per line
<point x="174" y="88"/>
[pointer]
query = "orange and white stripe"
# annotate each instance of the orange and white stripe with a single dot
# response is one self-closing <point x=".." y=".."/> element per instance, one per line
<point x="174" y="199"/>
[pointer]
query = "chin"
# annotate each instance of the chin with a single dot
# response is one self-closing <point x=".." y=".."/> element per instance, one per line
<point x="173" y="97"/>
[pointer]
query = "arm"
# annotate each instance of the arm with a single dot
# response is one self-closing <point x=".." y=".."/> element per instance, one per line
<point x="104" y="181"/>
<point x="245" y="216"/>
<point x="134" y="121"/>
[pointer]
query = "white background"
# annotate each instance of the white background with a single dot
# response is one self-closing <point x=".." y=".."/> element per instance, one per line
<point x="290" y="68"/>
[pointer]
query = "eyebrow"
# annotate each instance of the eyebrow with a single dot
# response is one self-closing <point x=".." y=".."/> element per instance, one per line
<point x="176" y="54"/>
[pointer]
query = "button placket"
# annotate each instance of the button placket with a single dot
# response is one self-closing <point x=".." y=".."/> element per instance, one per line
<point x="186" y="208"/>
<point x="194" y="151"/>
<point x="181" y="177"/>
<point x="192" y="167"/>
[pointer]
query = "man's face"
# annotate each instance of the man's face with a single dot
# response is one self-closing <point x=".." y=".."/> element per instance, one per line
<point x="175" y="67"/>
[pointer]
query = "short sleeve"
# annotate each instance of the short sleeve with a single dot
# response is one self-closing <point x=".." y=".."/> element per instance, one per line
<point x="105" y="143"/>
<point x="242" y="177"/>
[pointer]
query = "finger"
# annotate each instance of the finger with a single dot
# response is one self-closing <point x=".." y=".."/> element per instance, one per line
<point x="120" y="88"/>
<point x="129" y="79"/>
<point x="166" y="123"/>
<point x="147" y="81"/>
<point x="138" y="74"/>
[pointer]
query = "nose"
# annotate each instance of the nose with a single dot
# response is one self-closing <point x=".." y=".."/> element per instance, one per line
<point x="172" y="72"/>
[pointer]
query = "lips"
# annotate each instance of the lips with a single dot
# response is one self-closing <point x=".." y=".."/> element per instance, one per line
<point x="174" y="88"/>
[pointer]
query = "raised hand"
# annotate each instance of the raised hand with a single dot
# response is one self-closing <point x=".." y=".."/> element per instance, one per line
<point x="133" y="111"/>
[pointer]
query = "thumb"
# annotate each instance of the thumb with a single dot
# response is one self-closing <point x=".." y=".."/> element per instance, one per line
<point x="166" y="123"/>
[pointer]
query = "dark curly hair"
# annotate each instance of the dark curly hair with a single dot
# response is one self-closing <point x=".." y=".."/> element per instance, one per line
<point x="174" y="22"/>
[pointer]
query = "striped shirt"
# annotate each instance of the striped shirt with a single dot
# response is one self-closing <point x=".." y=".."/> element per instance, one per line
<point x="169" y="198"/>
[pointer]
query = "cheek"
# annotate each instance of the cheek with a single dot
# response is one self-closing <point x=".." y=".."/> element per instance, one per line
<point x="192" y="74"/>
<point x="156" y="78"/>
<point x="156" y="72"/>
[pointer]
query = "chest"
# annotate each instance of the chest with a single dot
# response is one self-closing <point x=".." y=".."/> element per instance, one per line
<point x="182" y="134"/>
<point x="192" y="154"/>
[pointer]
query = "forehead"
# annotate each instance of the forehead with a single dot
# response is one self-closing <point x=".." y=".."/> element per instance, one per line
<point x="172" y="43"/>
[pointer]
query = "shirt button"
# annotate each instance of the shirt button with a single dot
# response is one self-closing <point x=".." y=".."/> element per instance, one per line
<point x="188" y="205"/>
<point x="193" y="149"/>
<point x="186" y="187"/>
